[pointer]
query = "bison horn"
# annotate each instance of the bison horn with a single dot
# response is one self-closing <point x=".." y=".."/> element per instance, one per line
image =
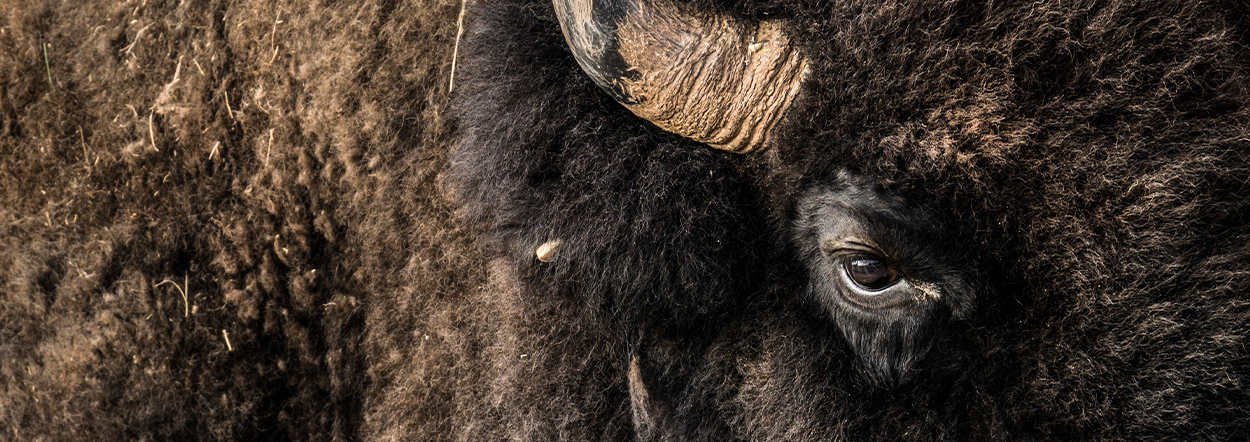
<point x="705" y="76"/>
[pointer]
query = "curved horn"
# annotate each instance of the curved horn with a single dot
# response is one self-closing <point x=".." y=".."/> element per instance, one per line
<point x="707" y="77"/>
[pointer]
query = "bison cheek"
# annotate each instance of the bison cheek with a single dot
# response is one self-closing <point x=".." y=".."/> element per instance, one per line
<point x="889" y="344"/>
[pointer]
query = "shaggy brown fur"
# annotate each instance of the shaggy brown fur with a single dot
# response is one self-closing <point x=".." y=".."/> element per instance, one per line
<point x="235" y="221"/>
<point x="199" y="200"/>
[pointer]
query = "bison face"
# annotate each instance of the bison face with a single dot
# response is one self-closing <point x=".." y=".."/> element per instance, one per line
<point x="1079" y="163"/>
<point x="877" y="266"/>
<point x="882" y="270"/>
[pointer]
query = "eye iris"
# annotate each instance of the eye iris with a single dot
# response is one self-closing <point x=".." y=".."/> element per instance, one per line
<point x="870" y="273"/>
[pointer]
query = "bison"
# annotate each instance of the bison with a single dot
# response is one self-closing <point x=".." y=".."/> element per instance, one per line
<point x="624" y="219"/>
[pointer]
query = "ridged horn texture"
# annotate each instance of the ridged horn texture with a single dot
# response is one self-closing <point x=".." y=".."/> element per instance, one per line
<point x="708" y="77"/>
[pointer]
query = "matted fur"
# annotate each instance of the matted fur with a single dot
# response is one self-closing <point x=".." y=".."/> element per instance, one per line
<point x="295" y="169"/>
<point x="276" y="160"/>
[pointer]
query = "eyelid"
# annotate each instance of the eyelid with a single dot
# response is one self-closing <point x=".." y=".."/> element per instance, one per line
<point x="838" y="247"/>
<point x="898" y="294"/>
<point x="841" y="249"/>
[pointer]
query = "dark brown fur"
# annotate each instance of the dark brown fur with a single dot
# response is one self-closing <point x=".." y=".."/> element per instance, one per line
<point x="300" y="182"/>
<point x="1088" y="160"/>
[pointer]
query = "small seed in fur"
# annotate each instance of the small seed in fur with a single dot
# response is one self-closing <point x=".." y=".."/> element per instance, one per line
<point x="547" y="251"/>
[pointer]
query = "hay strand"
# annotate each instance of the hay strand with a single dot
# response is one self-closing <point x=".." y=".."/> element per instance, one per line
<point x="228" y="109"/>
<point x="152" y="131"/>
<point x="226" y="336"/>
<point x="455" y="51"/>
<point x="186" y="307"/>
<point x="136" y="40"/>
<point x="48" y="66"/>
<point x="269" y="147"/>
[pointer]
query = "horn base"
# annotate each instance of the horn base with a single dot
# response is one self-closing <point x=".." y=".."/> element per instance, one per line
<point x="735" y="84"/>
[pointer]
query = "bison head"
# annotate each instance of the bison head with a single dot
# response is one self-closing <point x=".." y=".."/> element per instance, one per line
<point x="878" y="265"/>
<point x="952" y="212"/>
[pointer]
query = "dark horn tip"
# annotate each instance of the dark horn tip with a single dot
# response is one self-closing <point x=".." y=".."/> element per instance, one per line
<point x="589" y="28"/>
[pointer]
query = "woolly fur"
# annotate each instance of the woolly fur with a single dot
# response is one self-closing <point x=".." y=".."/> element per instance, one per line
<point x="273" y="220"/>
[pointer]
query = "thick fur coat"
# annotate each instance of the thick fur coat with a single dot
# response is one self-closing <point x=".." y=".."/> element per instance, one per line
<point x="201" y="201"/>
<point x="278" y="220"/>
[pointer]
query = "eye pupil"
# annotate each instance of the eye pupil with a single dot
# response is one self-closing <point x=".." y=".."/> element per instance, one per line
<point x="870" y="273"/>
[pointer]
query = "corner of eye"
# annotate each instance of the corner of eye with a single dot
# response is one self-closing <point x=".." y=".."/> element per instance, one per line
<point x="928" y="290"/>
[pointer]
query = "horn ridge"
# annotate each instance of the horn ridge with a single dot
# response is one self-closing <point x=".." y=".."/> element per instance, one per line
<point x="706" y="76"/>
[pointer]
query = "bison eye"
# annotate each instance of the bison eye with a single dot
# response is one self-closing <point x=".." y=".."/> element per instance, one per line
<point x="869" y="272"/>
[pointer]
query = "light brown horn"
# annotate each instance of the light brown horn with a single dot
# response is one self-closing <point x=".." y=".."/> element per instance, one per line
<point x="705" y="76"/>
